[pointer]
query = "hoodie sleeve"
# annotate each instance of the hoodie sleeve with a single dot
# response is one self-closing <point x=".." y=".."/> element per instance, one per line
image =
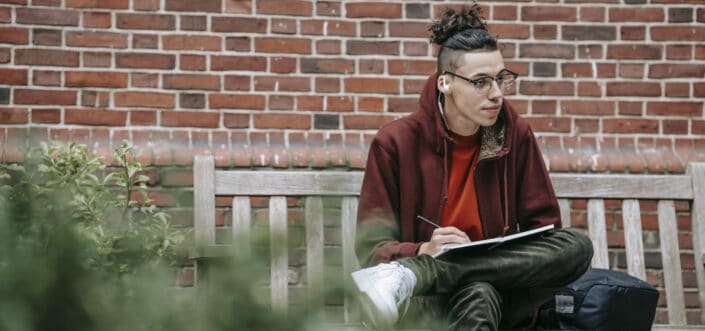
<point x="536" y="200"/>
<point x="378" y="228"/>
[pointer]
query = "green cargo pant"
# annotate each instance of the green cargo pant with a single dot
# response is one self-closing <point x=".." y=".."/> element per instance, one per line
<point x="502" y="287"/>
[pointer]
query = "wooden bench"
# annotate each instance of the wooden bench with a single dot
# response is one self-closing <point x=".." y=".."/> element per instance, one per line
<point x="315" y="187"/>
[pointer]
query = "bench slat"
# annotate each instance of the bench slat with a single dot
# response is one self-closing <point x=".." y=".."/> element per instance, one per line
<point x="697" y="172"/>
<point x="631" y="213"/>
<point x="290" y="183"/>
<point x="670" y="255"/>
<point x="350" y="262"/>
<point x="597" y="233"/>
<point x="564" y="205"/>
<point x="349" y="182"/>
<point x="279" y="253"/>
<point x="242" y="226"/>
<point x="622" y="186"/>
<point x="204" y="201"/>
<point x="314" y="246"/>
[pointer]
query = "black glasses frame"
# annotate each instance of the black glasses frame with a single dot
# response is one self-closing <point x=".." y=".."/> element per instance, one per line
<point x="477" y="81"/>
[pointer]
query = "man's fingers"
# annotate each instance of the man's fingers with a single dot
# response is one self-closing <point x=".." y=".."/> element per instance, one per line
<point x="451" y="230"/>
<point x="444" y="239"/>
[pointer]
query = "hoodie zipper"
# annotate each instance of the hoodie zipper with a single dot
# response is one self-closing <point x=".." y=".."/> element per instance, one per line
<point x="444" y="187"/>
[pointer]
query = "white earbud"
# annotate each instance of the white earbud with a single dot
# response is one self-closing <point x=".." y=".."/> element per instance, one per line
<point x="445" y="86"/>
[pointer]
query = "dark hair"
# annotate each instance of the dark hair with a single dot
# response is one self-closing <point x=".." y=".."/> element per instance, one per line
<point x="459" y="33"/>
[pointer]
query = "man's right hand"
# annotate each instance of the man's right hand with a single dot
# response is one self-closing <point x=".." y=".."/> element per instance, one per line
<point x="443" y="236"/>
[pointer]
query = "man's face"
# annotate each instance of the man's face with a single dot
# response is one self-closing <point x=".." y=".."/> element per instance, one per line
<point x="466" y="105"/>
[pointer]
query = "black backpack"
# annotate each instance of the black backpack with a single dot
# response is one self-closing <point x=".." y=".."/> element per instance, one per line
<point x="602" y="299"/>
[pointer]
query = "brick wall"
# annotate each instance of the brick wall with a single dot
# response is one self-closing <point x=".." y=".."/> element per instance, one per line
<point x="608" y="85"/>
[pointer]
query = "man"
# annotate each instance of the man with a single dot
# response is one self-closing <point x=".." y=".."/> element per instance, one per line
<point x="467" y="161"/>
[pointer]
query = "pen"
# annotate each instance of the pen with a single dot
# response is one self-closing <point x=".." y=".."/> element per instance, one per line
<point x="427" y="221"/>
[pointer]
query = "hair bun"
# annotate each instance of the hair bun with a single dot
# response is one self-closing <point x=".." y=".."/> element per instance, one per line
<point x="452" y="23"/>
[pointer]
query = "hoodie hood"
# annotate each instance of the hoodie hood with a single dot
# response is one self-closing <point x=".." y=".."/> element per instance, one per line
<point x="495" y="139"/>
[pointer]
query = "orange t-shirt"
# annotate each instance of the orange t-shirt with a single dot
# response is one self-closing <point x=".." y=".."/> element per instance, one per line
<point x="461" y="210"/>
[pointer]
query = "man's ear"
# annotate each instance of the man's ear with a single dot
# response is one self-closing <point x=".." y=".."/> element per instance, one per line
<point x="443" y="84"/>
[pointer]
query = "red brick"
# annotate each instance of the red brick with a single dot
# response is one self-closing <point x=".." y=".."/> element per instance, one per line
<point x="96" y="39"/>
<point x="95" y="99"/>
<point x="327" y="65"/>
<point x="678" y="90"/>
<point x="413" y="86"/>
<point x="193" y="23"/>
<point x="190" y="119"/>
<point x="372" y="85"/>
<point x="143" y="117"/>
<point x="632" y="14"/>
<point x="549" y="13"/>
<point x="589" y="89"/>
<point x="145" y="22"/>
<point x="227" y="63"/>
<point x="144" y="60"/>
<point x="40" y="16"/>
<point x="280" y="102"/>
<point x="238" y="6"/>
<point x="634" y="52"/>
<point x="279" y="83"/>
<point x="97" y="117"/>
<point x="590" y="108"/>
<point x="644" y="89"/>
<point x="688" y="109"/>
<point x="589" y="32"/>
<point x="282" y="121"/>
<point x="545" y="32"/>
<point x="12" y="35"/>
<point x="191" y="42"/>
<point x="186" y="82"/>
<point x="283" y="45"/>
<point x="146" y="5"/>
<point x="339" y="104"/>
<point x="630" y="125"/>
<point x="146" y="41"/>
<point x="672" y="70"/>
<point x="675" y="127"/>
<point x="50" y="116"/>
<point x="678" y="33"/>
<point x="509" y="31"/>
<point x="139" y="79"/>
<point x="366" y="122"/>
<point x="236" y="121"/>
<point x="363" y="47"/>
<point x="679" y="52"/>
<point x="327" y="84"/>
<point x="403" y="105"/>
<point x="97" y="59"/>
<point x="102" y="4"/>
<point x="13" y="76"/>
<point x="192" y="62"/>
<point x="44" y="97"/>
<point x="550" y="124"/>
<point x="144" y="99"/>
<point x="289" y="7"/>
<point x="282" y="64"/>
<point x="631" y="70"/>
<point x="546" y="88"/>
<point x="239" y="24"/>
<point x="329" y="28"/>
<point x="6" y="15"/>
<point x="236" y="101"/>
<point x="46" y="57"/>
<point x="407" y="67"/>
<point x="592" y="14"/>
<point x="309" y="102"/>
<point x="552" y="51"/>
<point x="210" y="6"/>
<point x="506" y="13"/>
<point x="237" y="83"/>
<point x="13" y="116"/>
<point x="630" y="108"/>
<point x="97" y="20"/>
<point x="96" y="79"/>
<point x="373" y="9"/>
<point x="47" y="37"/>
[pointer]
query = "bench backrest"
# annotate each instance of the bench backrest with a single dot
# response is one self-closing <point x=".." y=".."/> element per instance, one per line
<point x="313" y="185"/>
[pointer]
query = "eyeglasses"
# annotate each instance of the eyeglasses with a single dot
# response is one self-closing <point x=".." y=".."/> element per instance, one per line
<point x="505" y="79"/>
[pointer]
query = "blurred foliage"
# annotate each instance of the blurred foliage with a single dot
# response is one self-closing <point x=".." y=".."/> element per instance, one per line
<point x="78" y="252"/>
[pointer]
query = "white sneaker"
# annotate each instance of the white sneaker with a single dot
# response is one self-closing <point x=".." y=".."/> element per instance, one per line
<point x="383" y="290"/>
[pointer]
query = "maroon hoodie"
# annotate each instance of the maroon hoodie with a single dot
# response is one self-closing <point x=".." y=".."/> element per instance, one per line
<point x="407" y="175"/>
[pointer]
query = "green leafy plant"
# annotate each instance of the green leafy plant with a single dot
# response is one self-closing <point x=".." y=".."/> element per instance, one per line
<point x="126" y="232"/>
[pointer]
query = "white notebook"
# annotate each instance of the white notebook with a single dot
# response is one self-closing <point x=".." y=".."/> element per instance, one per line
<point x="494" y="241"/>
